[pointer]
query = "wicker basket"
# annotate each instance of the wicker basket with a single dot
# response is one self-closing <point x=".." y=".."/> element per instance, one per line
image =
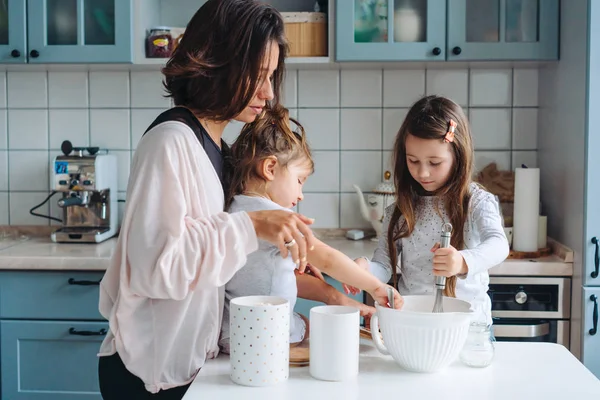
<point x="306" y="33"/>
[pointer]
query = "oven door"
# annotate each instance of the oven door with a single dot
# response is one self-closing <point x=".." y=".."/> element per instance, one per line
<point x="531" y="330"/>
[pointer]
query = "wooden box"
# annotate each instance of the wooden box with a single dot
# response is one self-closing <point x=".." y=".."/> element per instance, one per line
<point x="306" y="33"/>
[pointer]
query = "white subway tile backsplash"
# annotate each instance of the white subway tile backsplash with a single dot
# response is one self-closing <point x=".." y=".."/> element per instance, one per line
<point x="387" y="162"/>
<point x="361" y="168"/>
<point x="28" y="170"/>
<point x="21" y="203"/>
<point x="450" y="83"/>
<point x="3" y="170"/>
<point x="491" y="87"/>
<point x="140" y="121"/>
<point x="529" y="158"/>
<point x="109" y="89"/>
<point x="3" y="130"/>
<point x="361" y="88"/>
<point x="123" y="167"/>
<point x="525" y="87"/>
<point x="326" y="177"/>
<point x="68" y="89"/>
<point x="318" y="88"/>
<point x="401" y="88"/>
<point x="490" y="128"/>
<point x="147" y="90"/>
<point x="361" y="128"/>
<point x="110" y="129"/>
<point x="4" y="209"/>
<point x="350" y="215"/>
<point x="27" y="89"/>
<point x="69" y="124"/>
<point x="392" y="120"/>
<point x="322" y="126"/>
<point x="484" y="158"/>
<point x="525" y="129"/>
<point x="323" y="207"/>
<point x="3" y="89"/>
<point x="28" y="129"/>
<point x="290" y="89"/>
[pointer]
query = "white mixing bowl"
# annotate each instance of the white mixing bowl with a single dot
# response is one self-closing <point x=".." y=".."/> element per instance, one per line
<point x="419" y="340"/>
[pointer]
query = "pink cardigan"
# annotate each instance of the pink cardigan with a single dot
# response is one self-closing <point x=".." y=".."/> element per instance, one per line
<point x="163" y="291"/>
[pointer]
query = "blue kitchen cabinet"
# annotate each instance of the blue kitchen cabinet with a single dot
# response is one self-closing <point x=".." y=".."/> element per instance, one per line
<point x="50" y="334"/>
<point x="591" y="330"/>
<point x="503" y="29"/>
<point x="67" y="31"/>
<point x="13" y="44"/>
<point x="391" y="30"/>
<point x="303" y="306"/>
<point x="50" y="360"/>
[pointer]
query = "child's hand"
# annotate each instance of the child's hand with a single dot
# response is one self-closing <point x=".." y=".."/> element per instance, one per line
<point x="314" y="271"/>
<point x="364" y="264"/>
<point x="381" y="297"/>
<point x="448" y="261"/>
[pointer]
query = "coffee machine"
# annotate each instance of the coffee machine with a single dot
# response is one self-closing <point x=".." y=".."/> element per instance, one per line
<point x="88" y="184"/>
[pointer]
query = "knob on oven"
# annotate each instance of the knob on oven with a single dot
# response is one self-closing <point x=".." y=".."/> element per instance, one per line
<point x="521" y="297"/>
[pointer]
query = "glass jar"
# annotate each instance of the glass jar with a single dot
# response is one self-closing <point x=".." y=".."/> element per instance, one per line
<point x="478" y="351"/>
<point x="159" y="43"/>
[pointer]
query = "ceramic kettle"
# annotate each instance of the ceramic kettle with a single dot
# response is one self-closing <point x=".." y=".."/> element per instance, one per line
<point x="373" y="209"/>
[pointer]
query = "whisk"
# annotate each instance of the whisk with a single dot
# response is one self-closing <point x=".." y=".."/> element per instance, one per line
<point x="440" y="281"/>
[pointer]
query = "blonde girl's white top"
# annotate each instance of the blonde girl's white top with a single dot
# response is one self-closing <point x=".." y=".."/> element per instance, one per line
<point x="163" y="291"/>
<point x="485" y="246"/>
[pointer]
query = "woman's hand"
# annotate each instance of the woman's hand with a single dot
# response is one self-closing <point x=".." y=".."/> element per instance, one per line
<point x="314" y="271"/>
<point x="286" y="230"/>
<point x="380" y="296"/>
<point x="364" y="264"/>
<point x="448" y="261"/>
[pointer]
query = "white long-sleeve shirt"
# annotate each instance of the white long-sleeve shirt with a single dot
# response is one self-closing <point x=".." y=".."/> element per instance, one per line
<point x="163" y="291"/>
<point x="485" y="246"/>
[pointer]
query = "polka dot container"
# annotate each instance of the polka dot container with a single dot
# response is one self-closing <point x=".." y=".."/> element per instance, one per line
<point x="260" y="340"/>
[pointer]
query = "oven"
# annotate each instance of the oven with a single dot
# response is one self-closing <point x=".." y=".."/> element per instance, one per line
<point x="531" y="309"/>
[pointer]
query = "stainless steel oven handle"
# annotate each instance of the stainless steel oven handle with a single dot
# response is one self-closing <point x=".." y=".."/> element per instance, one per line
<point x="521" y="331"/>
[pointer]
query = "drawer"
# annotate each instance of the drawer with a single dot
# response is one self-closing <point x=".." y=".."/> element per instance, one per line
<point x="50" y="360"/>
<point x="49" y="295"/>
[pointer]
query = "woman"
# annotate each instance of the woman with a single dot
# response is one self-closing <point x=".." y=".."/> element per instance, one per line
<point x="162" y="293"/>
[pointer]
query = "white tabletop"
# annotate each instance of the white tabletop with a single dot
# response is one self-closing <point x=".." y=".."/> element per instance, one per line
<point x="519" y="371"/>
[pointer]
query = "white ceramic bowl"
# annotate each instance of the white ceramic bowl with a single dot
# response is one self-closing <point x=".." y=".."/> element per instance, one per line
<point x="419" y="340"/>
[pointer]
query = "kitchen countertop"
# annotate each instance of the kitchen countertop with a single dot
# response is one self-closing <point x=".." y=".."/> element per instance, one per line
<point x="526" y="370"/>
<point x="39" y="253"/>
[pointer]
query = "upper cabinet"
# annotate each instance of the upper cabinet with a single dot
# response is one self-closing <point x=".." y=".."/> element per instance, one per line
<point x="67" y="31"/>
<point x="439" y="30"/>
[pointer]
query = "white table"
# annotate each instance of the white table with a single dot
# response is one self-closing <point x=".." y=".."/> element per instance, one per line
<point x="519" y="371"/>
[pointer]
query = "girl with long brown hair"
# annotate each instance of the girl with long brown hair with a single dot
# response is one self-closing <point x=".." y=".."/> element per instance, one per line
<point x="433" y="165"/>
<point x="272" y="163"/>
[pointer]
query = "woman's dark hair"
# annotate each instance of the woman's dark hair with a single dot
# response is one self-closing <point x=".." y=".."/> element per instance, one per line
<point x="216" y="68"/>
<point x="270" y="135"/>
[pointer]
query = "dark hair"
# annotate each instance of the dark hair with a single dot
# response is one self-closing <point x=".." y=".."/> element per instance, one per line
<point x="429" y="118"/>
<point x="216" y="68"/>
<point x="270" y="135"/>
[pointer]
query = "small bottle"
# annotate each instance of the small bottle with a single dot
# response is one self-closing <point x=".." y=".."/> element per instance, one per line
<point x="478" y="351"/>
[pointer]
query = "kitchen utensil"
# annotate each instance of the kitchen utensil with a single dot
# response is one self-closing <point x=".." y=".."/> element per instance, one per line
<point x="390" y="293"/>
<point x="334" y="342"/>
<point x="417" y="339"/>
<point x="260" y="340"/>
<point x="440" y="281"/>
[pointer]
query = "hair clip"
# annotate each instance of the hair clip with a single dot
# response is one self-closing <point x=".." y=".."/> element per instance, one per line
<point x="449" y="137"/>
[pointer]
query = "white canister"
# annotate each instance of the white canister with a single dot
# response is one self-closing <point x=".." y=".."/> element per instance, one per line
<point x="259" y="340"/>
<point x="334" y="342"/>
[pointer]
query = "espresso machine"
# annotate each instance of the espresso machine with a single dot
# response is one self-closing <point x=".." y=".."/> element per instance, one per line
<point x="87" y="182"/>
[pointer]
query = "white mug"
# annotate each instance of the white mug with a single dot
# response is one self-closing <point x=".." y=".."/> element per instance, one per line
<point x="334" y="342"/>
<point x="259" y="340"/>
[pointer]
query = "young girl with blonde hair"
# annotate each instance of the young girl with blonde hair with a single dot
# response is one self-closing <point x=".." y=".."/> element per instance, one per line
<point x="433" y="165"/>
<point x="271" y="164"/>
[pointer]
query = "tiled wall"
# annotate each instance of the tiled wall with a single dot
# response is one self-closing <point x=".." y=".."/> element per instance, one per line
<point x="351" y="117"/>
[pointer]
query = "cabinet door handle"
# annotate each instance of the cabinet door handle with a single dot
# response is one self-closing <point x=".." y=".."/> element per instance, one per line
<point x="436" y="51"/>
<point x="594" y="328"/>
<point x="15" y="53"/>
<point x="73" y="331"/>
<point x="456" y="50"/>
<point x="34" y="53"/>
<point x="72" y="281"/>
<point x="596" y="242"/>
